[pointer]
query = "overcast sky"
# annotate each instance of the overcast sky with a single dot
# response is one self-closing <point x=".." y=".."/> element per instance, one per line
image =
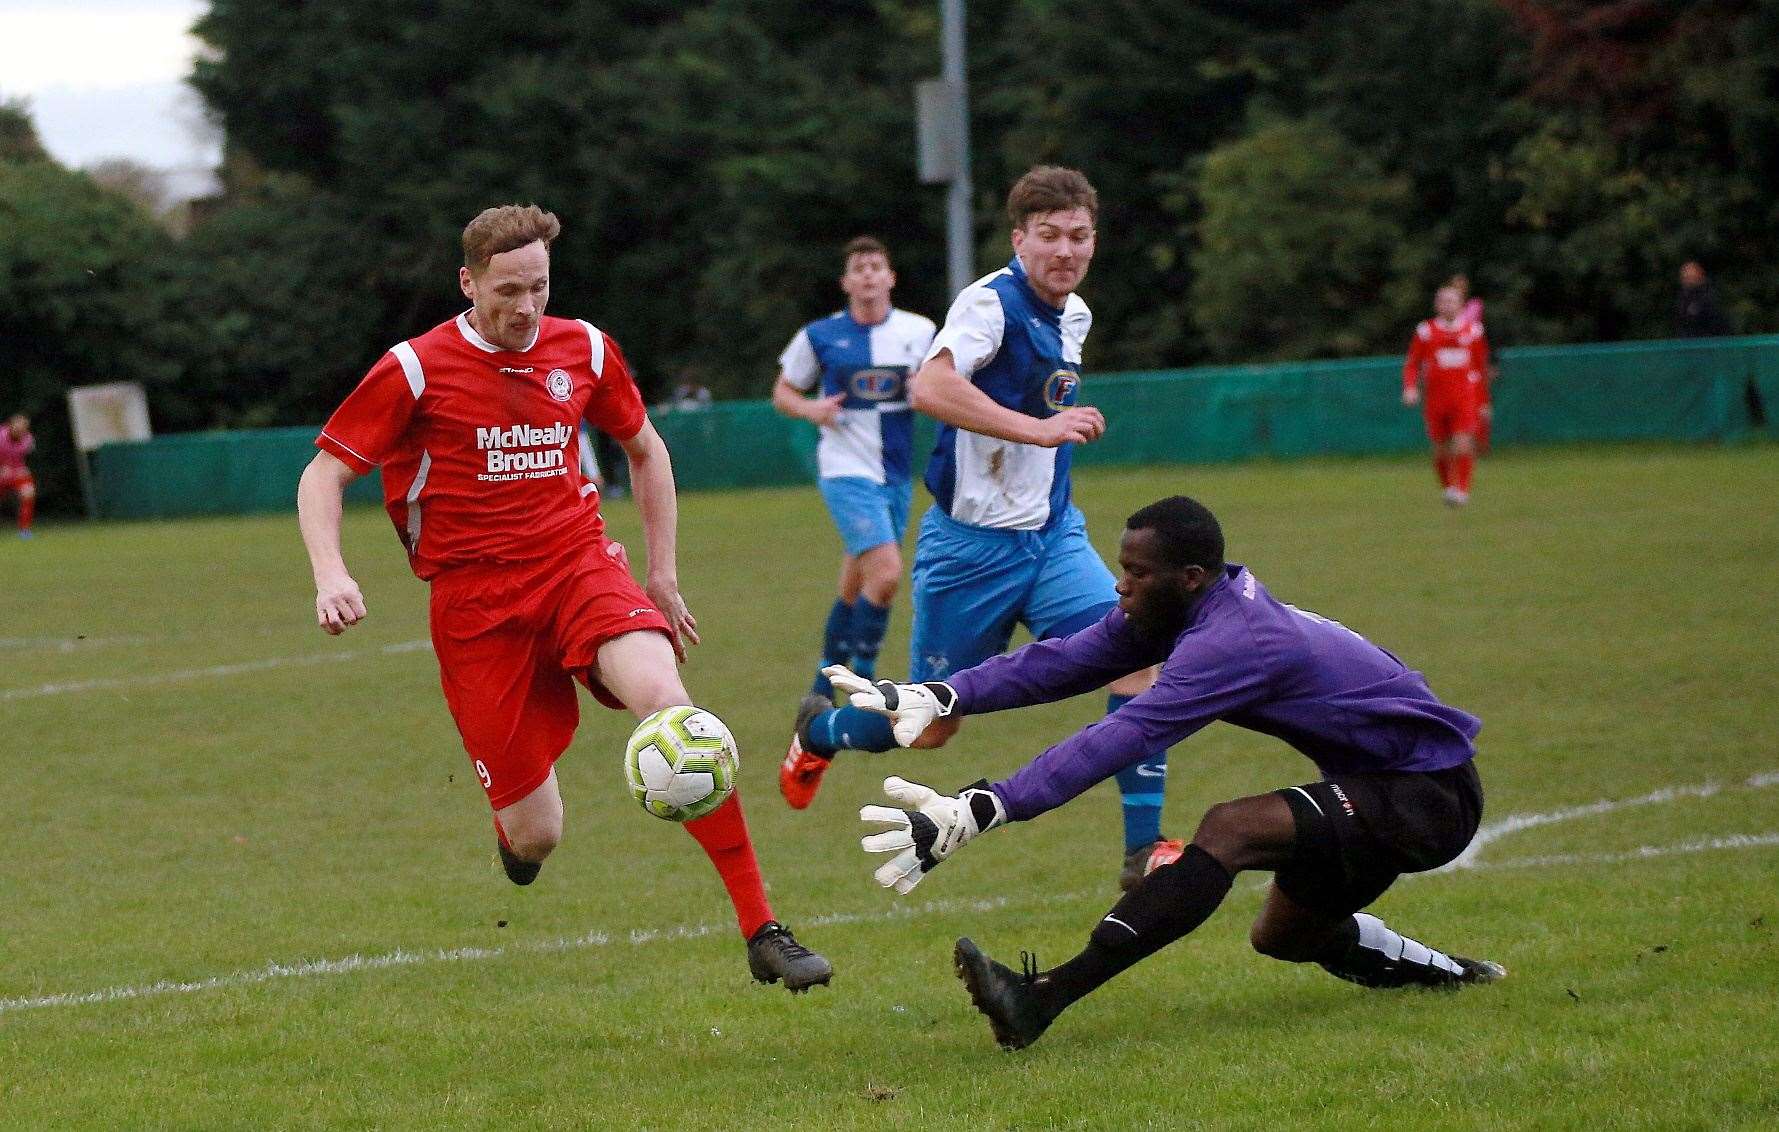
<point x="104" y="78"/>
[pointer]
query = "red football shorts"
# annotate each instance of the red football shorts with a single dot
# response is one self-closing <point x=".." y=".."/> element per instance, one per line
<point x="512" y="641"/>
<point x="17" y="481"/>
<point x="1448" y="414"/>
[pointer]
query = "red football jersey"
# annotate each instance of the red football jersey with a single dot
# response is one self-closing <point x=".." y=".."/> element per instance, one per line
<point x="1456" y="359"/>
<point x="479" y="445"/>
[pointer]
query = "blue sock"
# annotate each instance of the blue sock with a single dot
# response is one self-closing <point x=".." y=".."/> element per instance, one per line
<point x="850" y="729"/>
<point x="836" y="646"/>
<point x="1143" y="785"/>
<point x="869" y="623"/>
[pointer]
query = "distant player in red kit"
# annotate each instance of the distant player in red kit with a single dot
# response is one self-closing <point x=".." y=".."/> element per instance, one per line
<point x="1452" y="352"/>
<point x="16" y="442"/>
<point x="476" y="427"/>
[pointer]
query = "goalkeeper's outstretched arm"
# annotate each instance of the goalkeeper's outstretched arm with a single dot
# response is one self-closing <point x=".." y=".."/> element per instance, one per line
<point x="1056" y="669"/>
<point x="1040" y="673"/>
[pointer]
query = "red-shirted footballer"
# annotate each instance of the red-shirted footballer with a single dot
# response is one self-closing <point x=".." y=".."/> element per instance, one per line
<point x="475" y="424"/>
<point x="1451" y="352"/>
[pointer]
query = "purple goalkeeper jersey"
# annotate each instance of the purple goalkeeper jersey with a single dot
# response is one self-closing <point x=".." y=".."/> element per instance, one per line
<point x="1245" y="658"/>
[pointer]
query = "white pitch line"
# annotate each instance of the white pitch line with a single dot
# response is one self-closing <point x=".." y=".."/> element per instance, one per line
<point x="636" y="938"/>
<point x="1641" y="853"/>
<point x="113" y="683"/>
<point x="273" y="972"/>
<point x="1514" y="823"/>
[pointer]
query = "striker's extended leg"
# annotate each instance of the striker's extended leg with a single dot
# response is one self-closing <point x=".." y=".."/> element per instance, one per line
<point x="639" y="669"/>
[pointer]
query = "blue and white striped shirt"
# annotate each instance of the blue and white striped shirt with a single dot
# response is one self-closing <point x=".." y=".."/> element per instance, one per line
<point x="1026" y="355"/>
<point x="873" y="437"/>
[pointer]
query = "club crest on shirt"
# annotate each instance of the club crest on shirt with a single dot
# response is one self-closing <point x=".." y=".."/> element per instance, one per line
<point x="880" y="383"/>
<point x="1059" y="389"/>
<point x="560" y="385"/>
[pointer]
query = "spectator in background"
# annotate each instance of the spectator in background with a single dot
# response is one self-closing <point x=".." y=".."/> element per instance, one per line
<point x="590" y="459"/>
<point x="16" y="442"/>
<point x="607" y="453"/>
<point x="689" y="396"/>
<point x="1696" y="313"/>
<point x="1452" y="354"/>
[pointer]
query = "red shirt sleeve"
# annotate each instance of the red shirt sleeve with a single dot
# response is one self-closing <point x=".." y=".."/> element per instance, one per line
<point x="1417" y="357"/>
<point x="365" y="430"/>
<point x="616" y="407"/>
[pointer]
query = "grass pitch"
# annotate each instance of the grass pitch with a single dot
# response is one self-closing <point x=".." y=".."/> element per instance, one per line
<point x="250" y="882"/>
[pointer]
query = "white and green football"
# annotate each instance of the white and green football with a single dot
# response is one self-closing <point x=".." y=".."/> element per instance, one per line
<point x="680" y="763"/>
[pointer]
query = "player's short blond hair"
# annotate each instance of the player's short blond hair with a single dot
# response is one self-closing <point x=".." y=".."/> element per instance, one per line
<point x="1050" y="188"/>
<point x="505" y="228"/>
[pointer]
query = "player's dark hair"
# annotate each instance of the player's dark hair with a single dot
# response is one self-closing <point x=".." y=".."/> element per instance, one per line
<point x="1185" y="530"/>
<point x="862" y="245"/>
<point x="1050" y="188"/>
<point x="506" y="228"/>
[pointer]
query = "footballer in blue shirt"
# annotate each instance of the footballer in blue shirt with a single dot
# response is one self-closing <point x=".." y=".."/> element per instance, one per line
<point x="1003" y="543"/>
<point x="848" y="375"/>
<point x="1399" y="792"/>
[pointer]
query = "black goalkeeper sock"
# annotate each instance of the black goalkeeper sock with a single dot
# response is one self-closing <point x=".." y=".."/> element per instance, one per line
<point x="1367" y="952"/>
<point x="1169" y="902"/>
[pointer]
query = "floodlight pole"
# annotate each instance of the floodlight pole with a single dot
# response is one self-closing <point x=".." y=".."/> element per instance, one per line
<point x="959" y="231"/>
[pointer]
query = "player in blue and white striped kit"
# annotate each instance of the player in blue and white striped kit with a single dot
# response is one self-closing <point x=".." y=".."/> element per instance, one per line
<point x="856" y="363"/>
<point x="1003" y="544"/>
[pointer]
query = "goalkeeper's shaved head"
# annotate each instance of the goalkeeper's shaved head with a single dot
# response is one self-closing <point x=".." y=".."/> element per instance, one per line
<point x="1187" y="534"/>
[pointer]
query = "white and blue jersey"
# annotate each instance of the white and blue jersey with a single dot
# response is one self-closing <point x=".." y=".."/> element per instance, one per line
<point x="1026" y="355"/>
<point x="1002" y="544"/>
<point x="873" y="437"/>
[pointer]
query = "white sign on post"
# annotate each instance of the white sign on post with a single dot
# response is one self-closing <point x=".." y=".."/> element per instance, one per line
<point x="101" y="414"/>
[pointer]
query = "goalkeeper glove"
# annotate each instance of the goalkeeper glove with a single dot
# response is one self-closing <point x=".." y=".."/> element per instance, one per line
<point x="929" y="828"/>
<point x="910" y="707"/>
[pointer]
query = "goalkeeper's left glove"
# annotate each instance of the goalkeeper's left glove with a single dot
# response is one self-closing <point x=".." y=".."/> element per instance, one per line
<point x="910" y="707"/>
<point x="930" y="827"/>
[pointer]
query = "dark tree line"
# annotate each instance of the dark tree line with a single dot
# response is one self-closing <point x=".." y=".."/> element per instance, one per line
<point x="1279" y="180"/>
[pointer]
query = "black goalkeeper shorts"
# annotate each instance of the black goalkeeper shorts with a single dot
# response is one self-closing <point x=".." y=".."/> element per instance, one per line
<point x="1356" y="834"/>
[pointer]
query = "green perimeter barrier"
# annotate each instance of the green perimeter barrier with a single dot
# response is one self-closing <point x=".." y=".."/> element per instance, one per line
<point x="1693" y="390"/>
<point x="209" y="473"/>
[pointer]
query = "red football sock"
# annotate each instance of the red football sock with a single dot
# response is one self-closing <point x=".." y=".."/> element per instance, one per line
<point x="27" y="508"/>
<point x="1462" y="466"/>
<point x="1443" y="466"/>
<point x="724" y="838"/>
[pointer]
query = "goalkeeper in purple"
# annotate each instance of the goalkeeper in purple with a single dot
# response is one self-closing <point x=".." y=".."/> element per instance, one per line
<point x="1399" y="792"/>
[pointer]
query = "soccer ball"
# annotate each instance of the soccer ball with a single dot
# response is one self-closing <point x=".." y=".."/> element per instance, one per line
<point x="680" y="763"/>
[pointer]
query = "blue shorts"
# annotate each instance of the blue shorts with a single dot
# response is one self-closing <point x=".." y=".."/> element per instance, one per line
<point x="867" y="514"/>
<point x="972" y="585"/>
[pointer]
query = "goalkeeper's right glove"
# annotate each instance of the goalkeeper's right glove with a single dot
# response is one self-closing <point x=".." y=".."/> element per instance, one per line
<point x="910" y="707"/>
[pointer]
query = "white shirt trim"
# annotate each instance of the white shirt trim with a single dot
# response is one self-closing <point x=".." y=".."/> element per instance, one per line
<point x="411" y="367"/>
<point x="414" y="501"/>
<point x="596" y="343"/>
<point x="348" y="448"/>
